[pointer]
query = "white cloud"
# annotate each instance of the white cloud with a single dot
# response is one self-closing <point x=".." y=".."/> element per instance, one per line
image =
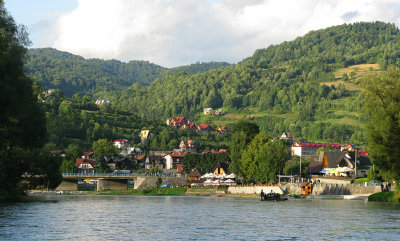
<point x="178" y="32"/>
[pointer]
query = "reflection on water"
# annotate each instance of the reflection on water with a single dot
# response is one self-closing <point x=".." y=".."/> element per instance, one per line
<point x="195" y="218"/>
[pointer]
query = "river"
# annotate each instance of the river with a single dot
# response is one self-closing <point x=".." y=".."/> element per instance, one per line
<point x="63" y="217"/>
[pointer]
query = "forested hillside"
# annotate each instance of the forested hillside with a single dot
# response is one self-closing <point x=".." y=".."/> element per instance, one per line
<point x="93" y="77"/>
<point x="283" y="85"/>
<point x="307" y="86"/>
<point x="74" y="74"/>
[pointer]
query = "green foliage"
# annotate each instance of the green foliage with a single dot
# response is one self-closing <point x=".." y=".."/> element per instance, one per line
<point x="22" y="124"/>
<point x="263" y="159"/>
<point x="74" y="74"/>
<point x="159" y="182"/>
<point x="292" y="167"/>
<point x="101" y="149"/>
<point x="381" y="109"/>
<point x="205" y="162"/>
<point x="200" y="67"/>
<point x="385" y="197"/>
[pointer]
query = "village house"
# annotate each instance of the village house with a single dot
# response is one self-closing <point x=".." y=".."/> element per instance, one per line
<point x="195" y="176"/>
<point x="144" y="135"/>
<point x="121" y="143"/>
<point x="220" y="112"/>
<point x="191" y="127"/>
<point x="85" y="165"/>
<point x="99" y="102"/>
<point x="221" y="168"/>
<point x="223" y="129"/>
<point x="343" y="163"/>
<point x="204" y="128"/>
<point x="173" y="159"/>
<point x="188" y="146"/>
<point x="155" y="159"/>
<point x="310" y="149"/>
<point x="208" y="111"/>
<point x="129" y="151"/>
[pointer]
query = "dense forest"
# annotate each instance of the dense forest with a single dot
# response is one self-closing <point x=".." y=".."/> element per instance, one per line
<point x="93" y="77"/>
<point x="287" y="87"/>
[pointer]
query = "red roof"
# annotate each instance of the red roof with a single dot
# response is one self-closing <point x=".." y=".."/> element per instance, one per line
<point x="80" y="161"/>
<point x="178" y="154"/>
<point x="88" y="153"/>
<point x="204" y="126"/>
<point x="317" y="145"/>
<point x="179" y="119"/>
<point x="120" y="140"/>
<point x="363" y="153"/>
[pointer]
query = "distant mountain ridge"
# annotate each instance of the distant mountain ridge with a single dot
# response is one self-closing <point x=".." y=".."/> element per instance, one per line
<point x="74" y="74"/>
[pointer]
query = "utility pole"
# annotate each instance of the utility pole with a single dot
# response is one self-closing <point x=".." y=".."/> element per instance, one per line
<point x="300" y="167"/>
<point x="355" y="162"/>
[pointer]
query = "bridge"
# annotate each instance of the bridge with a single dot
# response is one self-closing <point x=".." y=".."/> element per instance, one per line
<point x="117" y="181"/>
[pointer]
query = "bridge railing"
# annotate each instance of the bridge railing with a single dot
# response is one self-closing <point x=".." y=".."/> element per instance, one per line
<point x="84" y="175"/>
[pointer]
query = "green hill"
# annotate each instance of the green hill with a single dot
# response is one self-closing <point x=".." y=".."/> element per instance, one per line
<point x="73" y="74"/>
<point x="285" y="79"/>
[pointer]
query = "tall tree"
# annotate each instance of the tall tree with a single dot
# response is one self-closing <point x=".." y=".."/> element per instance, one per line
<point x="382" y="110"/>
<point x="102" y="148"/>
<point x="22" y="124"/>
<point x="263" y="159"/>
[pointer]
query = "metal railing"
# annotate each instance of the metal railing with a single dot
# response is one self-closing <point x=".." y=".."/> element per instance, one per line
<point x="119" y="175"/>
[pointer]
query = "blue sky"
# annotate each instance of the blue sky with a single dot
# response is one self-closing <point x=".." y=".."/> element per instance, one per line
<point x="178" y="32"/>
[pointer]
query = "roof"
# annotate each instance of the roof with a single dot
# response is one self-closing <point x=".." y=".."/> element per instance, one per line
<point x="317" y="145"/>
<point x="204" y="126"/>
<point x="120" y="140"/>
<point x="223" y="165"/>
<point x="314" y="167"/>
<point x="196" y="173"/>
<point x="80" y="161"/>
<point x="88" y="153"/>
<point x="178" y="154"/>
<point x="139" y="157"/>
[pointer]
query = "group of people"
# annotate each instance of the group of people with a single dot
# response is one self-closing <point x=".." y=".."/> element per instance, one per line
<point x="262" y="194"/>
<point x="386" y="186"/>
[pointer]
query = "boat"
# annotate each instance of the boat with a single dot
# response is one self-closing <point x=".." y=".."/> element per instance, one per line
<point x="273" y="197"/>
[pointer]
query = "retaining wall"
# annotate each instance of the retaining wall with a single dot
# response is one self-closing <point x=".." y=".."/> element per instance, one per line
<point x="151" y="182"/>
<point x="334" y="189"/>
<point x="254" y="189"/>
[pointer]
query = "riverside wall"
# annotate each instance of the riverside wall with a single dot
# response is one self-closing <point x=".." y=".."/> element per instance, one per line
<point x="318" y="189"/>
<point x="254" y="189"/>
<point x="151" y="182"/>
<point x="334" y="189"/>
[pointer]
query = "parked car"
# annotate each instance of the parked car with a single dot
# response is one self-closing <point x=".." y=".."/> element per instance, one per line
<point x="166" y="185"/>
<point x="375" y="182"/>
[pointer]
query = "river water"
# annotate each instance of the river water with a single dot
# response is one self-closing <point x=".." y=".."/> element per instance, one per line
<point x="62" y="217"/>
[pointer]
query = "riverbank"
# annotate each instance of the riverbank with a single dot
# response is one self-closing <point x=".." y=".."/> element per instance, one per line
<point x="387" y="196"/>
<point x="207" y="192"/>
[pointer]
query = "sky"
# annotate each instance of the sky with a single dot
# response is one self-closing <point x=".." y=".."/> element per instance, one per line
<point x="172" y="33"/>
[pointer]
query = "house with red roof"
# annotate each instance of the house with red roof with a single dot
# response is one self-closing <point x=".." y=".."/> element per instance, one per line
<point x="177" y="121"/>
<point x="204" y="128"/>
<point x="191" y="127"/>
<point x="310" y="149"/>
<point x="85" y="165"/>
<point x="120" y="143"/>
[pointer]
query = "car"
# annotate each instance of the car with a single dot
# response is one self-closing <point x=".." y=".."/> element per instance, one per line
<point x="166" y="185"/>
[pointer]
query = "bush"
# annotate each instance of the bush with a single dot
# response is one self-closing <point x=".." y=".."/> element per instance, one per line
<point x="385" y="197"/>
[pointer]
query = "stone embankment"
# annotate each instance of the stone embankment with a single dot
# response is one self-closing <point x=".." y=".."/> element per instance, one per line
<point x="151" y="182"/>
<point x="318" y="189"/>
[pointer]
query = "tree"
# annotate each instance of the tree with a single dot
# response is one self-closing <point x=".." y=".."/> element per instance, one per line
<point x="237" y="145"/>
<point x="263" y="159"/>
<point x="101" y="149"/>
<point x="22" y="124"/>
<point x="250" y="129"/>
<point x="382" y="111"/>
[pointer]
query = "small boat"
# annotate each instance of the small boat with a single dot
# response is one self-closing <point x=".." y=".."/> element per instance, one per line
<point x="273" y="197"/>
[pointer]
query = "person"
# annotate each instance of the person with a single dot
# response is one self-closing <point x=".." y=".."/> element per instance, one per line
<point x="389" y="185"/>
<point x="262" y="194"/>
<point x="381" y="187"/>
